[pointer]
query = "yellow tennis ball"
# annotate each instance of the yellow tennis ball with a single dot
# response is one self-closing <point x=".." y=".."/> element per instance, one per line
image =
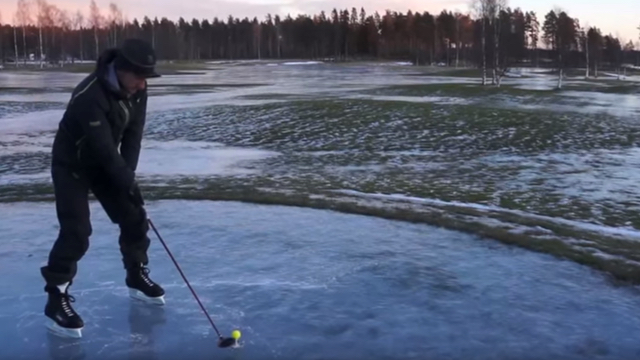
<point x="236" y="334"/>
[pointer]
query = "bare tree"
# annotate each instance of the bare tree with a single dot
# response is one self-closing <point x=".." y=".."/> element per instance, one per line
<point x="153" y="33"/>
<point x="55" y="28"/>
<point x="489" y="10"/>
<point x="95" y="20"/>
<point x="1" y="38"/>
<point x="561" y="33"/>
<point x="116" y="20"/>
<point x="638" y="59"/>
<point x="458" y="16"/>
<point x="23" y="15"/>
<point x="638" y="53"/>
<point x="15" y="39"/>
<point x="493" y="9"/>
<point x="532" y="32"/>
<point x="596" y="44"/>
<point x="586" y="52"/>
<point x="479" y="8"/>
<point x="78" y="23"/>
<point x="65" y="22"/>
<point x="257" y="36"/>
<point x="44" y="18"/>
<point x="584" y="43"/>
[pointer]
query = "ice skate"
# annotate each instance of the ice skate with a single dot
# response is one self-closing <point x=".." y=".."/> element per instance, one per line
<point x="63" y="320"/>
<point x="141" y="287"/>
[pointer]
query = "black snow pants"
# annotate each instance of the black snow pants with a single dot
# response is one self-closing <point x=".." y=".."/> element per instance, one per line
<point x="72" y="208"/>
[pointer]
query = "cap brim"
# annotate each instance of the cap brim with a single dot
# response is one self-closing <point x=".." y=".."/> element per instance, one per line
<point x="146" y="73"/>
<point x="152" y="75"/>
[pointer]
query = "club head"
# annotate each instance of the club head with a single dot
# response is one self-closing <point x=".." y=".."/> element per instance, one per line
<point x="227" y="342"/>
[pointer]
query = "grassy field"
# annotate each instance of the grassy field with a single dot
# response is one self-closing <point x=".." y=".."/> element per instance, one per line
<point x="552" y="171"/>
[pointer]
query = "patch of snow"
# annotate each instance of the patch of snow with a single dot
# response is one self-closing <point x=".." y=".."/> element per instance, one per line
<point x="536" y="86"/>
<point x="58" y="97"/>
<point x="11" y="144"/>
<point x="32" y="122"/>
<point x="415" y="99"/>
<point x="19" y="179"/>
<point x="293" y="63"/>
<point x="188" y="158"/>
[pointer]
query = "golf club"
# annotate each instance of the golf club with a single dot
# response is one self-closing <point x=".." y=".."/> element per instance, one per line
<point x="222" y="341"/>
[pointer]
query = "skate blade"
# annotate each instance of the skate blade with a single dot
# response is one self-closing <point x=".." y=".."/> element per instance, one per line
<point x="58" y="330"/>
<point x="138" y="295"/>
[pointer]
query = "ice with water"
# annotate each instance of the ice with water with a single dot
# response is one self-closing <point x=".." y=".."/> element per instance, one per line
<point x="299" y="288"/>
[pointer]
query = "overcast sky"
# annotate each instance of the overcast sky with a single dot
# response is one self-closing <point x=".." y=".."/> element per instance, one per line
<point x="618" y="17"/>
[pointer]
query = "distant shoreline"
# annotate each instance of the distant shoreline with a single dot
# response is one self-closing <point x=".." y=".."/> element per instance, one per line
<point x="87" y="67"/>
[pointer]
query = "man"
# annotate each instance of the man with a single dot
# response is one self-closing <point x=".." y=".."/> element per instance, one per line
<point x="107" y="110"/>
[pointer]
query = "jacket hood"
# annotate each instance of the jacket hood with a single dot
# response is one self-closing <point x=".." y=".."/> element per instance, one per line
<point x="105" y="72"/>
<point x="105" y="59"/>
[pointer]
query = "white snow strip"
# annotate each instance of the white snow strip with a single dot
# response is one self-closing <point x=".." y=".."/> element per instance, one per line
<point x="190" y="158"/>
<point x="19" y="144"/>
<point x="626" y="233"/>
<point x="169" y="102"/>
<point x="302" y="63"/>
<point x="19" y="179"/>
<point x="33" y="122"/>
<point x="170" y="158"/>
<point x="58" y="97"/>
<point x="414" y="99"/>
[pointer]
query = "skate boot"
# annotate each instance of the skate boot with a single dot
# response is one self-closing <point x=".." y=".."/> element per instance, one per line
<point x="65" y="321"/>
<point x="141" y="287"/>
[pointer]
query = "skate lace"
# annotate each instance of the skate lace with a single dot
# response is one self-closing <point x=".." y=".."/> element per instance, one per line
<point x="144" y="274"/>
<point x="66" y="299"/>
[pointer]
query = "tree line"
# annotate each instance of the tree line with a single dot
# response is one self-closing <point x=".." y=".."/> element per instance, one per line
<point x="492" y="36"/>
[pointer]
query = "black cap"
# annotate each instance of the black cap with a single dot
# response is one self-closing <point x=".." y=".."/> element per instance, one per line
<point x="137" y="56"/>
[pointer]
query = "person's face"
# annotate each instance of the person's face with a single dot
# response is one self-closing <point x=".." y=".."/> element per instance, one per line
<point x="131" y="82"/>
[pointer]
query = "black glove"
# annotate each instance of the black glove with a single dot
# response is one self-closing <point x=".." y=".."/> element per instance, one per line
<point x="135" y="195"/>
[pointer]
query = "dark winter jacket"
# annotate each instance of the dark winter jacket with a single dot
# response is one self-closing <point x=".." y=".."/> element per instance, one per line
<point x="99" y="118"/>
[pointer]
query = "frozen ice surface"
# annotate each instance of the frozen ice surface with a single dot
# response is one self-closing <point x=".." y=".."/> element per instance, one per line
<point x="39" y="80"/>
<point x="310" y="284"/>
